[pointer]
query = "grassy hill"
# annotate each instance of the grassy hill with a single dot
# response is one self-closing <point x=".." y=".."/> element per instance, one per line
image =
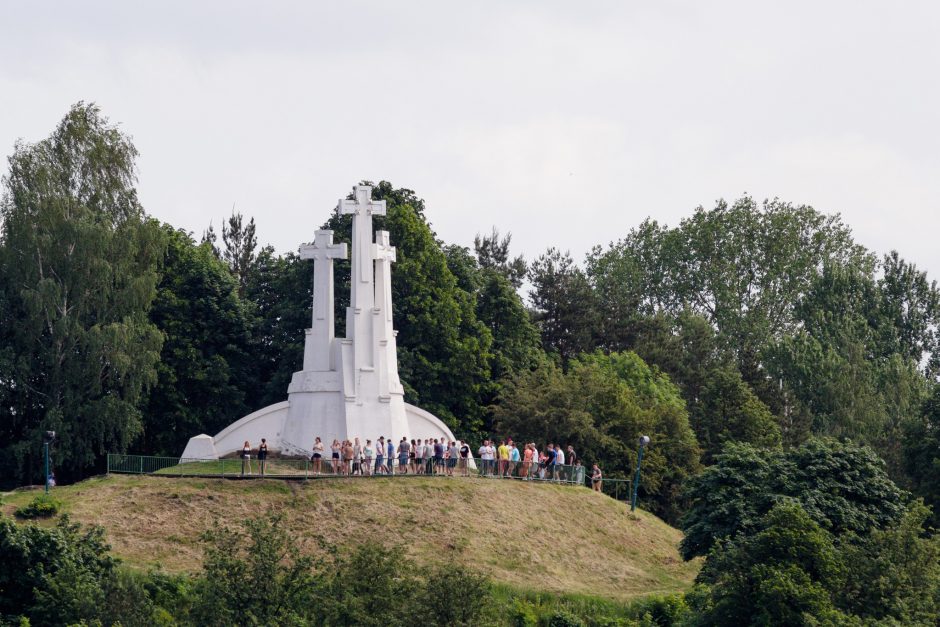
<point x="531" y="536"/>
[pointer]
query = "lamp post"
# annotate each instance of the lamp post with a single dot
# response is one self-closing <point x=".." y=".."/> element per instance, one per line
<point x="643" y="442"/>
<point x="46" y="441"/>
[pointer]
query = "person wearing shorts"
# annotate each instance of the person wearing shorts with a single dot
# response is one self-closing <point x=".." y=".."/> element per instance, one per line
<point x="451" y="458"/>
<point x="597" y="478"/>
<point x="335" y="450"/>
<point x="317" y="457"/>
<point x="403" y="448"/>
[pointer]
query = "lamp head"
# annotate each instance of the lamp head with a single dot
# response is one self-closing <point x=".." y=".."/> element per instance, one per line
<point x="644" y="440"/>
<point x="49" y="436"/>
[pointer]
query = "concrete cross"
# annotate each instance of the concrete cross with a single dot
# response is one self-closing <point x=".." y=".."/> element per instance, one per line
<point x="362" y="208"/>
<point x="323" y="251"/>
<point x="384" y="254"/>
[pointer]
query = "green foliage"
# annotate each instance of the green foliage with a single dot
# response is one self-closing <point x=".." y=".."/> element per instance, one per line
<point x="563" y="303"/>
<point x="895" y="573"/>
<point x="848" y="365"/>
<point x="492" y="252"/>
<point x="204" y="368"/>
<point x="844" y="488"/>
<point x="53" y="576"/>
<point x="455" y="596"/>
<point x="601" y="406"/>
<point x="239" y="252"/>
<point x="740" y="265"/>
<point x="921" y="444"/>
<point x="791" y="571"/>
<point x="43" y="506"/>
<point x="728" y="411"/>
<point x="780" y="575"/>
<point x="253" y="575"/>
<point x="79" y="269"/>
<point x="281" y="292"/>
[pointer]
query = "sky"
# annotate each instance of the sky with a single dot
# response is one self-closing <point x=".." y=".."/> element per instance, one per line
<point x="564" y="123"/>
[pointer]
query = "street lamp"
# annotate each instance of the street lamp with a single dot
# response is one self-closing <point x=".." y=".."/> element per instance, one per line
<point x="643" y="442"/>
<point x="47" y="439"/>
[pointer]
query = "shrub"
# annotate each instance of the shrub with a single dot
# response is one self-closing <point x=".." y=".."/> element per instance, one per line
<point x="43" y="506"/>
<point x="561" y="618"/>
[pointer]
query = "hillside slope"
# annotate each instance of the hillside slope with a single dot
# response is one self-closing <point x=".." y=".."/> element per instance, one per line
<point x="535" y="536"/>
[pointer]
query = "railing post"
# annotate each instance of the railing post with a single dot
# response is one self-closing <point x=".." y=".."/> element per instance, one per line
<point x="108" y="471"/>
<point x="141" y="458"/>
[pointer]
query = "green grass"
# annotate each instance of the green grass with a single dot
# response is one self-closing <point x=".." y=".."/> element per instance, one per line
<point x="531" y="537"/>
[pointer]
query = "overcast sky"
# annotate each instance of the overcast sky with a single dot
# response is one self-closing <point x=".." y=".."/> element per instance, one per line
<point x="566" y="123"/>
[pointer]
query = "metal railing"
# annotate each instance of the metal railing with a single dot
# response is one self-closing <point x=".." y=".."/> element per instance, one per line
<point x="329" y="468"/>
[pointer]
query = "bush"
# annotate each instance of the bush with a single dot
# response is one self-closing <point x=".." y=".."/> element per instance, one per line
<point x="561" y="618"/>
<point x="43" y="506"/>
<point x="523" y="614"/>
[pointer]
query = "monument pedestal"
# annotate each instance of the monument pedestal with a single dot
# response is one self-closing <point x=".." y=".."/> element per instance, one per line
<point x="349" y="387"/>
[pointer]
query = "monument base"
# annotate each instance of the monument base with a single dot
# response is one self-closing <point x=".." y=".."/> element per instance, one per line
<point x="269" y="423"/>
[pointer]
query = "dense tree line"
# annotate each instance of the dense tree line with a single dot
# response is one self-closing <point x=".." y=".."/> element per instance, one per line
<point x="735" y="339"/>
<point x="767" y="324"/>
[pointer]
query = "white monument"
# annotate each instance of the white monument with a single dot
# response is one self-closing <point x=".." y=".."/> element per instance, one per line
<point x="349" y="386"/>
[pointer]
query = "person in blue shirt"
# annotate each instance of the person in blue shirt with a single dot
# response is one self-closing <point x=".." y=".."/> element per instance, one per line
<point x="391" y="456"/>
<point x="514" y="458"/>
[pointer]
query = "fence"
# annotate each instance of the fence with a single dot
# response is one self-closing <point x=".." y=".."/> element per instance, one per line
<point x="328" y="468"/>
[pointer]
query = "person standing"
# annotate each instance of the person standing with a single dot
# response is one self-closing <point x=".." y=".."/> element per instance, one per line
<point x="335" y="450"/>
<point x="438" y="456"/>
<point x="412" y="457"/>
<point x="317" y="457"/>
<point x="390" y="456"/>
<point x="484" y="459"/>
<point x="347" y="457"/>
<point x="246" y="457"/>
<point x="502" y="453"/>
<point x="572" y="460"/>
<point x="549" y="461"/>
<point x="380" y="467"/>
<point x="526" y="462"/>
<point x="451" y="458"/>
<point x="357" y="457"/>
<point x="465" y="459"/>
<point x="262" y="454"/>
<point x="560" y="470"/>
<point x="419" y="457"/>
<point x="514" y="457"/>
<point x="403" y="448"/>
<point x="597" y="478"/>
<point x="369" y="452"/>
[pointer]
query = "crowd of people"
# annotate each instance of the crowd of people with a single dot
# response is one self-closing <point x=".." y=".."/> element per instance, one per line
<point x="438" y="456"/>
